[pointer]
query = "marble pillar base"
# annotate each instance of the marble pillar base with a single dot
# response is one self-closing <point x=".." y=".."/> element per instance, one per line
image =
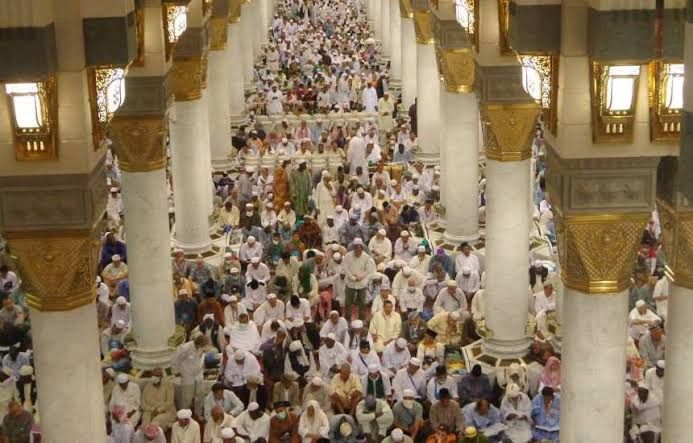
<point x="193" y="249"/>
<point x="461" y="238"/>
<point x="428" y="158"/>
<point x="492" y="365"/>
<point x="222" y="165"/>
<point x="506" y="348"/>
<point x="238" y="120"/>
<point x="147" y="359"/>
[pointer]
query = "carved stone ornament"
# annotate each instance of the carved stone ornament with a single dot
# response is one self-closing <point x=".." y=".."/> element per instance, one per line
<point x="597" y="250"/>
<point x="422" y="27"/>
<point x="58" y="268"/>
<point x="457" y="68"/>
<point x="677" y="241"/>
<point x="139" y="142"/>
<point x="217" y="33"/>
<point x="186" y="78"/>
<point x="235" y="11"/>
<point x="512" y="128"/>
<point x="405" y="9"/>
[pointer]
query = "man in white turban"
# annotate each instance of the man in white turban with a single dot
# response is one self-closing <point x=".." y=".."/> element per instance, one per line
<point x="516" y="410"/>
<point x="127" y="395"/>
<point x="185" y="429"/>
<point x="253" y="423"/>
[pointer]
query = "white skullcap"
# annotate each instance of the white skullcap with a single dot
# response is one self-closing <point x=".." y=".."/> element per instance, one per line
<point x="373" y="367"/>
<point x="357" y="324"/>
<point x="121" y="300"/>
<point x="336" y="256"/>
<point x="227" y="433"/>
<point x="235" y="270"/>
<point x="255" y="260"/>
<point x="421" y="248"/>
<point x="287" y="203"/>
<point x="404" y="233"/>
<point x="253" y="406"/>
<point x="331" y="336"/>
<point x="269" y="205"/>
<point x="408" y="393"/>
<point x="26" y="370"/>
<point x="228" y="255"/>
<point x="406" y="270"/>
<point x="660" y="364"/>
<point x="271" y="296"/>
<point x="393" y="182"/>
<point x="208" y="316"/>
<point x="226" y="298"/>
<point x="114" y="189"/>
<point x="548" y="282"/>
<point x="338" y="208"/>
<point x="382" y="231"/>
<point x="455" y="315"/>
<point x="399" y="263"/>
<point x="452" y="284"/>
<point x="178" y="251"/>
<point x="295" y="346"/>
<point x="512" y="390"/>
<point x="397" y="434"/>
<point x="415" y="361"/>
<point x="401" y="342"/>
<point x="285" y="140"/>
<point x="249" y="206"/>
<point x="357" y="241"/>
<point x="183" y="292"/>
<point x="121" y="324"/>
<point x="98" y="279"/>
<point x="537" y="263"/>
<point x="249" y="169"/>
<point x="251" y="239"/>
<point x="238" y="355"/>
<point x="639" y="303"/>
<point x="317" y="381"/>
<point x="116" y="257"/>
<point x="184" y="414"/>
<point x="122" y="378"/>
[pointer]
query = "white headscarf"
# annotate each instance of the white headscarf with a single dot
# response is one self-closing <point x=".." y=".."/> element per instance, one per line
<point x="317" y="424"/>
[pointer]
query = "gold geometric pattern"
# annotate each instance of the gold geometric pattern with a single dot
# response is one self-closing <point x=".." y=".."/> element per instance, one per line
<point x="217" y="33"/>
<point x="58" y="268"/>
<point x="512" y="127"/>
<point x="405" y="9"/>
<point x="422" y="27"/>
<point x="677" y="241"/>
<point x="140" y="142"/>
<point x="186" y="78"/>
<point x="457" y="68"/>
<point x="597" y="250"/>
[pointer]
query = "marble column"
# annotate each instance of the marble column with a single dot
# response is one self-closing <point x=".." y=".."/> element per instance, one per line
<point x="377" y="20"/>
<point x="207" y="153"/>
<point x="460" y="172"/>
<point x="259" y="26"/>
<point x="238" y="114"/>
<point x="248" y="48"/>
<point x="219" y="108"/>
<point x="428" y="91"/>
<point x="409" y="61"/>
<point x="385" y="29"/>
<point x="395" y="45"/>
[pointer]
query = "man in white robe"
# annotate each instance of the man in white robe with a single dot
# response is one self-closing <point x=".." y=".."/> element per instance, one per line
<point x="244" y="335"/>
<point x="323" y="196"/>
<point x="395" y="356"/>
<point x="185" y="429"/>
<point x="380" y="247"/>
<point x="386" y="106"/>
<point x="239" y="366"/>
<point x="356" y="154"/>
<point x="128" y="396"/>
<point x="330" y="356"/>
<point x="336" y="325"/>
<point x="410" y="377"/>
<point x="275" y="100"/>
<point x="370" y="98"/>
<point x="405" y="247"/>
<point x="465" y="259"/>
<point x="271" y="309"/>
<point x="253" y="423"/>
<point x="450" y="299"/>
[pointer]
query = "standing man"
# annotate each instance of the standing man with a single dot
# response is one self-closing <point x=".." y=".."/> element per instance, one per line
<point x="300" y="189"/>
<point x="386" y="106"/>
<point x="358" y="266"/>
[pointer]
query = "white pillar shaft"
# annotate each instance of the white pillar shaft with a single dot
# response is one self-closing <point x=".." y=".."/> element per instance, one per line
<point x="219" y="110"/>
<point x="385" y="28"/>
<point x="190" y="179"/>
<point x="395" y="44"/>
<point x="593" y="389"/>
<point x="428" y="103"/>
<point x="145" y="198"/>
<point x="507" y="261"/>
<point x="678" y="387"/>
<point x="409" y="61"/>
<point x="259" y="25"/>
<point x="206" y="151"/>
<point x="235" y="74"/>
<point x="246" y="41"/>
<point x="377" y="23"/>
<point x="460" y="172"/>
<point x="68" y="375"/>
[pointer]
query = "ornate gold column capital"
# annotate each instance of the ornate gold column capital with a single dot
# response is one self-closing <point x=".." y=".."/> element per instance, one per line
<point x="58" y="268"/>
<point x="457" y="68"/>
<point x="235" y="11"/>
<point x="422" y="27"/>
<point x="405" y="9"/>
<point x="186" y="78"/>
<point x="218" y="34"/>
<point x="597" y="250"/>
<point x="677" y="241"/>
<point x="140" y="142"/>
<point x="511" y="128"/>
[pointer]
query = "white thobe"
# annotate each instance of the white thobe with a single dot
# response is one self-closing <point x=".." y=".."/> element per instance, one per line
<point x="356" y="155"/>
<point x="404" y="380"/>
<point x="469" y="283"/>
<point x="360" y="362"/>
<point x="265" y="313"/>
<point x="188" y="434"/>
<point x="237" y="374"/>
<point x="274" y="103"/>
<point x="433" y="388"/>
<point x="370" y="99"/>
<point x="129" y="399"/>
<point x="445" y="302"/>
<point x="405" y="251"/>
<point x="519" y="428"/>
<point x="188" y="363"/>
<point x="213" y="429"/>
<point x="324" y="201"/>
<point x="462" y="261"/>
<point x="339" y="329"/>
<point x="328" y="357"/>
<point x="420" y="264"/>
<point x="411" y="299"/>
<point x="255" y="429"/>
<point x="380" y="247"/>
<point x="394" y="360"/>
<point x="245" y="337"/>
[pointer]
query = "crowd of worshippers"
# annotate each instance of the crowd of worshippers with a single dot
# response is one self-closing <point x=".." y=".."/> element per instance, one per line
<point x="321" y="57"/>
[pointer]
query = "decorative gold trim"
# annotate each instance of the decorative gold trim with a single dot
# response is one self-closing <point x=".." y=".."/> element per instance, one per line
<point x="597" y="250"/>
<point x="405" y="9"/>
<point x="511" y="130"/>
<point x="186" y="78"/>
<point x="235" y="11"/>
<point x="139" y="28"/>
<point x="218" y="34"/>
<point x="457" y="69"/>
<point x="609" y="127"/>
<point x="140" y="142"/>
<point x="422" y="27"/>
<point x="58" y="268"/>
<point x="503" y="27"/>
<point x="547" y="67"/>
<point x="665" y="124"/>
<point x="677" y="241"/>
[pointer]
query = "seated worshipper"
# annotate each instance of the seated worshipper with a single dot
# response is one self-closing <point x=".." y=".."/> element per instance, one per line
<point x="446" y="416"/>
<point x="298" y="362"/>
<point x="640" y="319"/>
<point x="244" y="335"/>
<point x="374" y="416"/>
<point x="127" y="395"/>
<point x="253" y="424"/>
<point x="652" y="345"/>
<point x="331" y="355"/>
<point x="376" y="383"/>
<point x="185" y="310"/>
<point x="551" y="375"/>
<point x="274" y="354"/>
<point x="430" y="352"/>
<point x="210" y="328"/>
<point x="269" y="331"/>
<point x="450" y="299"/>
<point x="336" y="325"/>
<point x="298" y="309"/>
<point x="309" y="232"/>
<point x="361" y="359"/>
<point x="538" y="274"/>
<point x="413" y="330"/>
<point x="546" y="299"/>
<point x="187" y="362"/>
<point x="254" y="391"/>
<point x="306" y="285"/>
<point x="150" y="434"/>
<point x="405" y="247"/>
<point x="408" y="414"/>
<point x="474" y="386"/>
<point x="234" y="282"/>
<point x="224" y="398"/>
<point x="257" y="275"/>
<point x="240" y="365"/>
<point x="396" y="356"/>
<point x="271" y="309"/>
<point x="26" y="387"/>
<point x="158" y="405"/>
<point x="645" y="409"/>
<point x="386" y="325"/>
<point x="121" y="310"/>
<point x="314" y="423"/>
<point x="412" y="298"/>
<point x="346" y="390"/>
<point x="448" y="326"/>
<point x="441" y="380"/>
<point x="250" y="249"/>
<point x="114" y="272"/>
<point x="514" y="374"/>
<point x="468" y="282"/>
<point x="400" y="282"/>
<point x="421" y="261"/>
<point x="654" y="378"/>
<point x="233" y="310"/>
<point x="410" y="377"/>
<point x="467" y="260"/>
<point x="283" y="424"/>
<point x="357" y="334"/>
<point x="483" y="415"/>
<point x="316" y="390"/>
<point x="344" y="429"/>
<point x="516" y="411"/>
<point x="121" y="429"/>
<point x="287" y="391"/>
<point x="111" y="338"/>
<point x="380" y="247"/>
<point x="546" y="414"/>
<point x="218" y="420"/>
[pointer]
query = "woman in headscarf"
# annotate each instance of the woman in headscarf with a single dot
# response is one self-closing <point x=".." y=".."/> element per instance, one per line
<point x="551" y="375"/>
<point x="516" y="412"/>
<point x="297" y="362"/>
<point x="313" y="423"/>
<point x="306" y="285"/>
